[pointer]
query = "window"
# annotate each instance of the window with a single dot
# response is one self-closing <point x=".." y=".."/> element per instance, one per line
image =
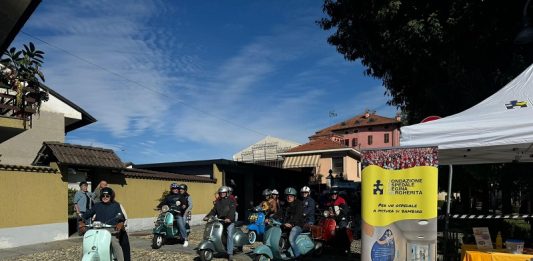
<point x="370" y="128"/>
<point x="386" y="138"/>
<point x="347" y="142"/>
<point x="354" y="142"/>
<point x="337" y="165"/>
<point x="369" y="139"/>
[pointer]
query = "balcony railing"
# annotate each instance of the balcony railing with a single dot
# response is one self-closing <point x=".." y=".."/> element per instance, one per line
<point x="23" y="108"/>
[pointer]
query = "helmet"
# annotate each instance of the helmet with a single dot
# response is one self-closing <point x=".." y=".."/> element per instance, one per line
<point x="223" y="189"/>
<point x="290" y="191"/>
<point x="230" y="190"/>
<point x="267" y="192"/>
<point x="183" y="186"/>
<point x="107" y="191"/>
<point x="305" y="189"/>
<point x="174" y="186"/>
<point x="274" y="192"/>
<point x="334" y="191"/>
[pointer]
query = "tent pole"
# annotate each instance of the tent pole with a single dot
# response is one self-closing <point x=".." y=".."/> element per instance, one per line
<point x="447" y="216"/>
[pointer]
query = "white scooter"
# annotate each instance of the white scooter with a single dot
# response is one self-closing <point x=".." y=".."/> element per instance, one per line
<point x="97" y="241"/>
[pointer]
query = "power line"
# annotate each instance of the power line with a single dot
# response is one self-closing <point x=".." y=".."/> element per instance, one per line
<point x="166" y="95"/>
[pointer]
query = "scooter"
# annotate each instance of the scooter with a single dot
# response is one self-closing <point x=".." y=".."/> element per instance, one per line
<point x="276" y="248"/>
<point x="215" y="239"/>
<point x="256" y="227"/>
<point x="97" y="241"/>
<point x="166" y="228"/>
<point x="331" y="233"/>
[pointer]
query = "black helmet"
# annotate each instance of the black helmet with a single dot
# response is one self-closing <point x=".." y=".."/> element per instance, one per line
<point x="174" y="186"/>
<point x="107" y="191"/>
<point x="334" y="191"/>
<point x="183" y="186"/>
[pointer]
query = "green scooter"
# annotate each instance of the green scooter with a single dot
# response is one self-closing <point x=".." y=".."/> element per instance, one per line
<point x="275" y="244"/>
<point x="166" y="228"/>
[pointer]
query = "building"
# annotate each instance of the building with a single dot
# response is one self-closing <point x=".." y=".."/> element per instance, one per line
<point x="319" y="156"/>
<point x="247" y="180"/>
<point x="365" y="131"/>
<point x="22" y="139"/>
<point x="265" y="152"/>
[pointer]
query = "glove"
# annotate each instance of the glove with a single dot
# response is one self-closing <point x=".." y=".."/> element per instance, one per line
<point x="119" y="226"/>
<point x="81" y="228"/>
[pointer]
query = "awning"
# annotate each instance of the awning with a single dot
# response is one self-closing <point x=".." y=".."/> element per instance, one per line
<point x="303" y="161"/>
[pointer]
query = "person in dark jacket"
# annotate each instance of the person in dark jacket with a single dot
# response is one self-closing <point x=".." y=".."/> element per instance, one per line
<point x="225" y="209"/>
<point x="108" y="211"/>
<point x="309" y="205"/>
<point x="293" y="218"/>
<point x="172" y="197"/>
<point x="186" y="207"/>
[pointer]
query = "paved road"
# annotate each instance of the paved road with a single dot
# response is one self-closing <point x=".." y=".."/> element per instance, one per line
<point x="141" y="250"/>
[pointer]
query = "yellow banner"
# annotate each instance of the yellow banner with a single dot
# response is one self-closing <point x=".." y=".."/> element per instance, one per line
<point x="393" y="195"/>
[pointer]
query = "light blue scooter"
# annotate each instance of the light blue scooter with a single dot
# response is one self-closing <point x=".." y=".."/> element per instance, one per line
<point x="97" y="242"/>
<point x="276" y="245"/>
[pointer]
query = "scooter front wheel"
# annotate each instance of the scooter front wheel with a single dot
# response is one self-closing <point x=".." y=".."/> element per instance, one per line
<point x="252" y="236"/>
<point x="157" y="241"/>
<point x="261" y="258"/>
<point x="205" y="254"/>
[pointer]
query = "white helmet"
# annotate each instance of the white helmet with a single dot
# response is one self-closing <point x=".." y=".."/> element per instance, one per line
<point x="274" y="192"/>
<point x="305" y="189"/>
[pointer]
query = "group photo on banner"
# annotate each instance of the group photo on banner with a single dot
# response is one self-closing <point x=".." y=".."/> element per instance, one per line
<point x="399" y="204"/>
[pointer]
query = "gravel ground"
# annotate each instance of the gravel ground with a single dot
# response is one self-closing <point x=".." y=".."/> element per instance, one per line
<point x="141" y="250"/>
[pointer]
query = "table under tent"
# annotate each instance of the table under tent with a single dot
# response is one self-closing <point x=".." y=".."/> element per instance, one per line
<point x="497" y="130"/>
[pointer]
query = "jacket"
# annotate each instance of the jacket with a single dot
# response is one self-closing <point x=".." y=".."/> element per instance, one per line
<point x="294" y="213"/>
<point x="224" y="208"/>
<point x="106" y="213"/>
<point x="309" y="210"/>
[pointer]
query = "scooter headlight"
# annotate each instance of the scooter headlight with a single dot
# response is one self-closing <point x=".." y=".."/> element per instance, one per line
<point x="97" y="224"/>
<point x="252" y="218"/>
<point x="165" y="208"/>
<point x="326" y="213"/>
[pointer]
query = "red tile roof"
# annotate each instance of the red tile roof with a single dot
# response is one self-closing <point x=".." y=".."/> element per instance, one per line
<point x="318" y="144"/>
<point x="357" y="121"/>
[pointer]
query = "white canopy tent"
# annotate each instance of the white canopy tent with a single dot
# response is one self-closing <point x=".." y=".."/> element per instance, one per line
<point x="498" y="129"/>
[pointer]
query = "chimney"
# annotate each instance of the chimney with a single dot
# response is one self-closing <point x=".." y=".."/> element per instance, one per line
<point x="398" y="117"/>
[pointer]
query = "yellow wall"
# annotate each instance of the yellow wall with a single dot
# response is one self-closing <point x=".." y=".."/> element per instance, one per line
<point x="32" y="198"/>
<point x="140" y="196"/>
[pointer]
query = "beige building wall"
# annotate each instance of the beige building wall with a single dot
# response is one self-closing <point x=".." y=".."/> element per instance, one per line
<point x="31" y="198"/>
<point x="23" y="148"/>
<point x="351" y="168"/>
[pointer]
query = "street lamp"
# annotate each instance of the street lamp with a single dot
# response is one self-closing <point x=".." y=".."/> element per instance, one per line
<point x="526" y="35"/>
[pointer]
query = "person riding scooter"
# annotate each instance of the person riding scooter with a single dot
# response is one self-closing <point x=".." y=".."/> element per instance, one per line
<point x="339" y="210"/>
<point x="225" y="209"/>
<point x="309" y="206"/>
<point x="170" y="200"/>
<point x="186" y="206"/>
<point x="293" y="218"/>
<point x="106" y="212"/>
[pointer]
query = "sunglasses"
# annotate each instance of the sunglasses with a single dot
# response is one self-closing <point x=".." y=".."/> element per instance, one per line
<point x="106" y="196"/>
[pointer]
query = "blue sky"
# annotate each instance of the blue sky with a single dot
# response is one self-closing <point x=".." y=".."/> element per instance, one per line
<point x="194" y="80"/>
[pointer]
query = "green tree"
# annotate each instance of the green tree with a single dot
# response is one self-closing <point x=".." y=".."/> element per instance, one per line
<point x="434" y="57"/>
